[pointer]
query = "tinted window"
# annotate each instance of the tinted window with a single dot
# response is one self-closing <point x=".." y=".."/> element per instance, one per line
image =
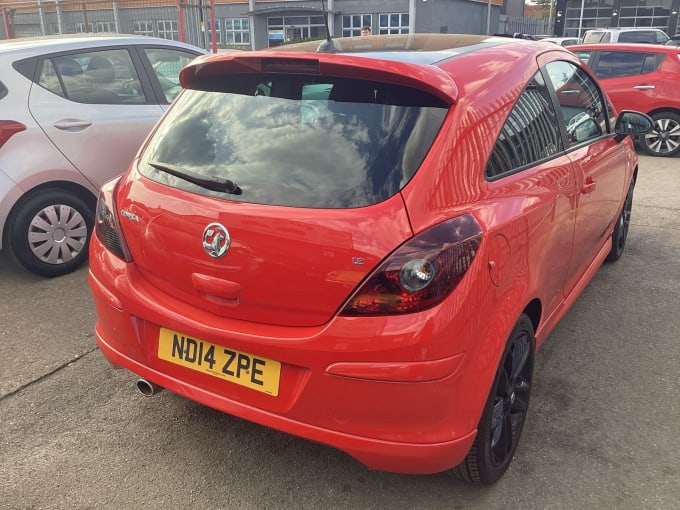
<point x="3" y="90"/>
<point x="641" y="36"/>
<point x="529" y="134"/>
<point x="615" y="64"/>
<point x="98" y="77"/>
<point x="583" y="55"/>
<point x="581" y="103"/>
<point x="297" y="140"/>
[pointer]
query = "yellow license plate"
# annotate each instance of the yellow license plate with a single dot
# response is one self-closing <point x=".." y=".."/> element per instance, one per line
<point x="255" y="372"/>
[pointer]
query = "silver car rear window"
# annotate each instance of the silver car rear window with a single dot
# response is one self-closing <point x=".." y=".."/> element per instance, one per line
<point x="296" y="140"/>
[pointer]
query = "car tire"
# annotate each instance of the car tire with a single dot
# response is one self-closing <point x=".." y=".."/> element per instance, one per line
<point x="620" y="234"/>
<point x="48" y="232"/>
<point x="504" y="414"/>
<point x="664" y="139"/>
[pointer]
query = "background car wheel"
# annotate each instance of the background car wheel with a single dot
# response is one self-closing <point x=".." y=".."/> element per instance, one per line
<point x="664" y="139"/>
<point x="505" y="411"/>
<point x="49" y="231"/>
<point x="620" y="233"/>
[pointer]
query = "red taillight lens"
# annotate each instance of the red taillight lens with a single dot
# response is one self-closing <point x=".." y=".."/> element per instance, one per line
<point x="9" y="128"/>
<point x="107" y="227"/>
<point x="421" y="273"/>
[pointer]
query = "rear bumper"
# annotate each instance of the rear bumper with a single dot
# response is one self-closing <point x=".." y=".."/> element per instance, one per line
<point x="400" y="393"/>
<point x="376" y="454"/>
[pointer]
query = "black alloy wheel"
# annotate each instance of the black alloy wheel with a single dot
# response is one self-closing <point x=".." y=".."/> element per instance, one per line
<point x="664" y="138"/>
<point x="504" y="414"/>
<point x="620" y="234"/>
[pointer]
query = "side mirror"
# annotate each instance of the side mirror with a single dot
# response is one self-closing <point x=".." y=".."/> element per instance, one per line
<point x="632" y="123"/>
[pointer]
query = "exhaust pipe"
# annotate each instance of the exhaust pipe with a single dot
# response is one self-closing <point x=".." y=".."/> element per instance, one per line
<point x="147" y="388"/>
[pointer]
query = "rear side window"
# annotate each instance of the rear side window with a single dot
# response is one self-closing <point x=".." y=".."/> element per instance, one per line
<point x="297" y="140"/>
<point x="529" y="134"/>
<point x="3" y="90"/>
<point x="617" y="64"/>
<point x="98" y="77"/>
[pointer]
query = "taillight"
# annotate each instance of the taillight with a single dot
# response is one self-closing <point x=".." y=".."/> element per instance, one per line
<point x="107" y="227"/>
<point x="420" y="273"/>
<point x="9" y="128"/>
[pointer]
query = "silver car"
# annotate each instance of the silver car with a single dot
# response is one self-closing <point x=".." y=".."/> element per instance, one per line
<point x="74" y="111"/>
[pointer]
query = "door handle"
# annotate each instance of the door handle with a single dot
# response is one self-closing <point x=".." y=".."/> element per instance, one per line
<point x="72" y="124"/>
<point x="644" y="87"/>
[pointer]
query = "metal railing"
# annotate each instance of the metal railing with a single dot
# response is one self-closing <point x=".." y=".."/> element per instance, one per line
<point x="187" y="20"/>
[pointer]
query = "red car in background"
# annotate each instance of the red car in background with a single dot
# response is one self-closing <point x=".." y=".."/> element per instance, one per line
<point x="642" y="77"/>
<point x="366" y="247"/>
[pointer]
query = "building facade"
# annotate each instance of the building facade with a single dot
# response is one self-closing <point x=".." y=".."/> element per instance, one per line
<point x="573" y="17"/>
<point x="249" y="24"/>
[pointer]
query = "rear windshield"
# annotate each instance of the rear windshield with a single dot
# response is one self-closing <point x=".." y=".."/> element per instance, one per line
<point x="296" y="140"/>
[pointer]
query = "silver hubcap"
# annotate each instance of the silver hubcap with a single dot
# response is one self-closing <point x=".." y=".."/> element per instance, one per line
<point x="665" y="137"/>
<point x="57" y="234"/>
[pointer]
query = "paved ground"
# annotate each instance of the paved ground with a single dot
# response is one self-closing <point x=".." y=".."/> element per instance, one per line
<point x="602" y="430"/>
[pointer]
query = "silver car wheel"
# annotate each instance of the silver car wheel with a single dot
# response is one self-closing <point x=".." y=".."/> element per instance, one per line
<point x="664" y="139"/>
<point x="57" y="234"/>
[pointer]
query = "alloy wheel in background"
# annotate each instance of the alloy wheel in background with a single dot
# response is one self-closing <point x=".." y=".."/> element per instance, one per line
<point x="664" y="139"/>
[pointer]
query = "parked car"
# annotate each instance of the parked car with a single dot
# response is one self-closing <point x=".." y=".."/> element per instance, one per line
<point x="673" y="41"/>
<point x="641" y="77"/>
<point x="625" y="35"/>
<point x="562" y="41"/>
<point x="365" y="248"/>
<point x="74" y="112"/>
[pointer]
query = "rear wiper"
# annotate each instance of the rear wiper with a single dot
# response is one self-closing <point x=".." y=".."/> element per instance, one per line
<point x="212" y="183"/>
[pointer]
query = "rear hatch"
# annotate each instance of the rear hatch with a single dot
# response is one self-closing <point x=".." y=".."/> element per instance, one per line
<point x="267" y="194"/>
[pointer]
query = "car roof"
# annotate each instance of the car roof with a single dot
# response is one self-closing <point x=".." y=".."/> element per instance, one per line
<point x="55" y="43"/>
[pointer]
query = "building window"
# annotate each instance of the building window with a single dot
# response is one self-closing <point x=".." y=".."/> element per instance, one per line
<point x="167" y="29"/>
<point x="96" y="27"/>
<point x="143" y="28"/>
<point x="636" y="13"/>
<point x="294" y="29"/>
<point x="237" y="31"/>
<point x="218" y="30"/>
<point x="393" y="24"/>
<point x="351" y="25"/>
<point x="596" y="15"/>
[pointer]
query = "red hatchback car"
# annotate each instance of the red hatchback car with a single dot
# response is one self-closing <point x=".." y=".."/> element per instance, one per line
<point x="641" y="77"/>
<point x="366" y="247"/>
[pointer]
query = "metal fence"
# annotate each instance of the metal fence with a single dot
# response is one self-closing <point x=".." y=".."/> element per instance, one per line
<point x="187" y="20"/>
<point x="531" y="26"/>
<point x="191" y="21"/>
